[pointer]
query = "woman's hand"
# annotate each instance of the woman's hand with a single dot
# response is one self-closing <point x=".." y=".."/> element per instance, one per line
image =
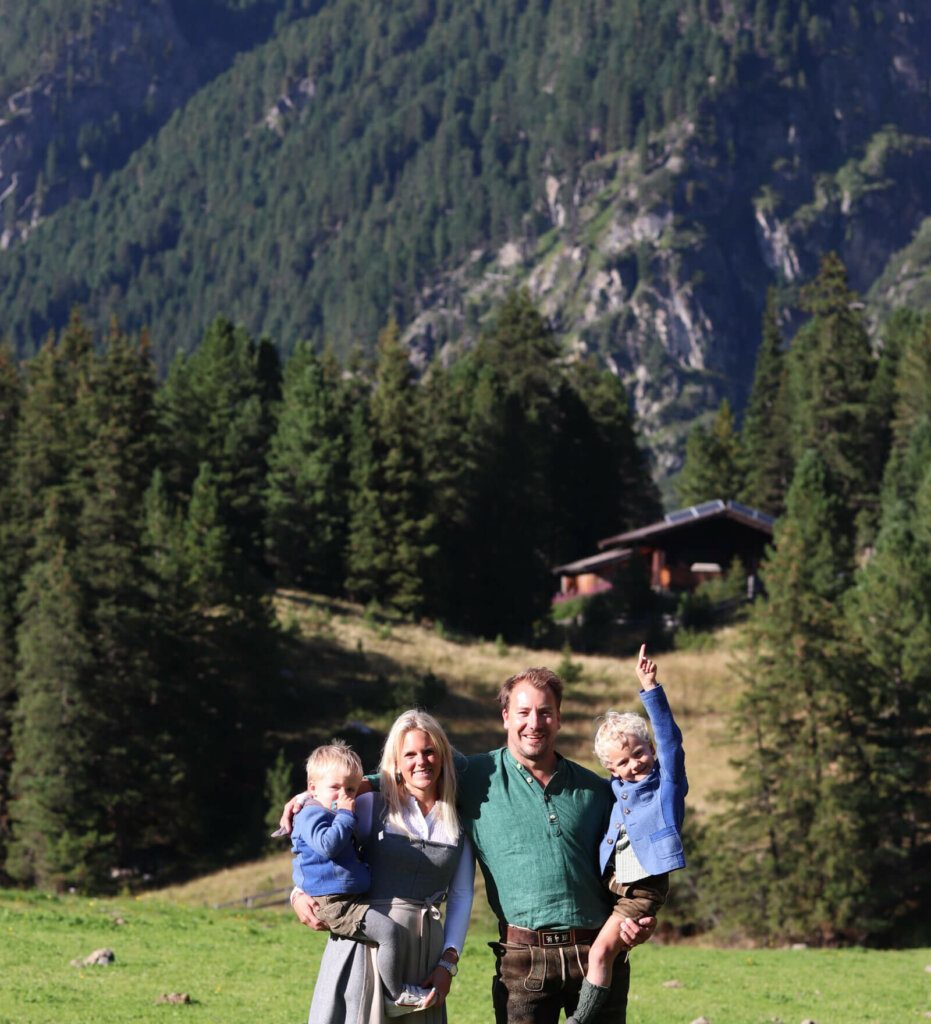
<point x="304" y="907"/>
<point x="442" y="981"/>
<point x="290" y="809"/>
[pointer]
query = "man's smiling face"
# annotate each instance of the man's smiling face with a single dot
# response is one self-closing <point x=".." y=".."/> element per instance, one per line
<point x="532" y="721"/>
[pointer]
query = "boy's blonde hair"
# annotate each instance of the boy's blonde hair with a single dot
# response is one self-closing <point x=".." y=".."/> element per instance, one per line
<point x="337" y="754"/>
<point x="393" y="795"/>
<point x="615" y="726"/>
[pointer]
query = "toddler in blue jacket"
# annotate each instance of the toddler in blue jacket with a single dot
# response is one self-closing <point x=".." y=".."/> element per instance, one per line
<point x="327" y="867"/>
<point x="643" y="842"/>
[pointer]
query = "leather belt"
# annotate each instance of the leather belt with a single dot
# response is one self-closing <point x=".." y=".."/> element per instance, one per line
<point x="550" y="936"/>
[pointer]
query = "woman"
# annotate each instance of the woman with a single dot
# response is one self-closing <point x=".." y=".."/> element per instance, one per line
<point x="418" y="854"/>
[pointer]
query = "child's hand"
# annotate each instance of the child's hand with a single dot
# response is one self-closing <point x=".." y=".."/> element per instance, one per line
<point x="346" y="803"/>
<point x="646" y="670"/>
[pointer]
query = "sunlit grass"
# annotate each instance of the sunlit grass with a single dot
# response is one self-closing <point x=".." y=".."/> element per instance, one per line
<point x="240" y="967"/>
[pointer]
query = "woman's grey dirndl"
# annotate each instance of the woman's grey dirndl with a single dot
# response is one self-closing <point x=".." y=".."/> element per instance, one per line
<point x="409" y="879"/>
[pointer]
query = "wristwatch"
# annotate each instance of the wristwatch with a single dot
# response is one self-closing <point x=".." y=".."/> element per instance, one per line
<point x="448" y="965"/>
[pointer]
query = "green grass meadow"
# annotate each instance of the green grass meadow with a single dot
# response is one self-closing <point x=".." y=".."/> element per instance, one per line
<point x="259" y="966"/>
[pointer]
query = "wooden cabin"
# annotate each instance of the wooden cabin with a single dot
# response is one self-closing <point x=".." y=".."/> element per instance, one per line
<point x="681" y="550"/>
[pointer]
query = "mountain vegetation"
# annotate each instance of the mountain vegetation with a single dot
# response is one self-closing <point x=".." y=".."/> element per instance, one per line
<point x="311" y="169"/>
<point x="295" y="229"/>
<point x="145" y="526"/>
<point x="832" y="708"/>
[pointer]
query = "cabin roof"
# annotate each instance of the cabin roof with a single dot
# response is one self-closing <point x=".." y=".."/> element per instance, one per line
<point x="686" y="517"/>
<point x="615" y="555"/>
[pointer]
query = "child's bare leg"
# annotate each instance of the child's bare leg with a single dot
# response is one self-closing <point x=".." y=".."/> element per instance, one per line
<point x="605" y="950"/>
<point x="597" y="984"/>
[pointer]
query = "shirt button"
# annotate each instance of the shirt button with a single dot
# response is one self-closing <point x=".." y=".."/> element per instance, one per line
<point x="552" y="817"/>
<point x="529" y="778"/>
<point x="618" y="825"/>
<point x="609" y="840"/>
<point x="623" y="796"/>
<point x="627" y="810"/>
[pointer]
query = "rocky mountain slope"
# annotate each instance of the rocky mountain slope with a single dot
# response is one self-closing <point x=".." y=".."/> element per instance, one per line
<point x="316" y="185"/>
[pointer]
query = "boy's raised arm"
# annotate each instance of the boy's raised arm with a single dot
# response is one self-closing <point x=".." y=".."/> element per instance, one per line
<point x="646" y="670"/>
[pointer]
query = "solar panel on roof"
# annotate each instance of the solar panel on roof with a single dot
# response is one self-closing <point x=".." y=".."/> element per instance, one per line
<point x="709" y="506"/>
<point x="751" y="512"/>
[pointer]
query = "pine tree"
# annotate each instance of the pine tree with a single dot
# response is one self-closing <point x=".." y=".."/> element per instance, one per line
<point x="390" y="524"/>
<point x="214" y="408"/>
<point x="117" y="410"/>
<point x="831" y="367"/>
<point x="512" y="422"/>
<point x="888" y="615"/>
<point x="598" y="474"/>
<point x="10" y="396"/>
<point x="912" y="401"/>
<point x="712" y="467"/>
<point x="765" y="454"/>
<point x="59" y="826"/>
<point x="40" y="529"/>
<point x="208" y="556"/>
<point x="789" y="861"/>
<point x="307" y="487"/>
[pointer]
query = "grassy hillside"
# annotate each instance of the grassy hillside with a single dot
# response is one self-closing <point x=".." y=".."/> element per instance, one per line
<point x="239" y="968"/>
<point x="343" y="661"/>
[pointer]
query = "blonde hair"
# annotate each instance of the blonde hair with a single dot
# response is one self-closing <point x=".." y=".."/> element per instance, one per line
<point x="615" y="726"/>
<point x="337" y="754"/>
<point x="394" y="796"/>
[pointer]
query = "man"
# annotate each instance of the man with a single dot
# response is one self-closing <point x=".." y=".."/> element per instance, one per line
<point x="536" y="820"/>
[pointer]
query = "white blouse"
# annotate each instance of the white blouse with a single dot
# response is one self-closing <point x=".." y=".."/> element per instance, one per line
<point x="432" y="829"/>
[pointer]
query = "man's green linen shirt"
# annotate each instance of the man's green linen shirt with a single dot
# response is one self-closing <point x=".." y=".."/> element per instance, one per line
<point x="538" y="848"/>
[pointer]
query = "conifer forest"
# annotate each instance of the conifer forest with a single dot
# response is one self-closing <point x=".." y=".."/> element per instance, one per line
<point x="408" y="304"/>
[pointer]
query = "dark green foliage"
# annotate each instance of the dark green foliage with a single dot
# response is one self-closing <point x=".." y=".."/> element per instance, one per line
<point x="10" y="395"/>
<point x="279" y="788"/>
<point x="493" y="503"/>
<point x="529" y="463"/>
<point x="389" y="525"/>
<point x="912" y="402"/>
<point x="215" y="409"/>
<point x="765" y="454"/>
<point x="714" y="600"/>
<point x="367" y="144"/>
<point x="307" y="493"/>
<point x="712" y="467"/>
<point x="139" y="654"/>
<point x="790" y="856"/>
<point x="888" y="615"/>
<point x="831" y="367"/>
<point x="59" y="826"/>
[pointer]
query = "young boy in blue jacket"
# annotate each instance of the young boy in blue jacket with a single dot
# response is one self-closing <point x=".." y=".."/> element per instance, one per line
<point x="643" y="842"/>
<point x="328" y="867"/>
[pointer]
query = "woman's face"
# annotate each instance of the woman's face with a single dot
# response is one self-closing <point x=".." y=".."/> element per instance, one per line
<point x="419" y="764"/>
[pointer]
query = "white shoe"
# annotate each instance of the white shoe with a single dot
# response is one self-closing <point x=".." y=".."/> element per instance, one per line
<point x="411" y="999"/>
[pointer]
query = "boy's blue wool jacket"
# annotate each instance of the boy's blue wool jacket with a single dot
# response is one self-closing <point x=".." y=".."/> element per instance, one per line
<point x="325" y="859"/>
<point x="652" y="810"/>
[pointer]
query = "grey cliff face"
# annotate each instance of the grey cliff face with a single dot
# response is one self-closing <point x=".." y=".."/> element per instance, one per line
<point x="662" y="268"/>
<point x="82" y="116"/>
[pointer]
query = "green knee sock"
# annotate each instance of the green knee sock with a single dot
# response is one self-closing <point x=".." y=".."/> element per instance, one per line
<point x="590" y="999"/>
